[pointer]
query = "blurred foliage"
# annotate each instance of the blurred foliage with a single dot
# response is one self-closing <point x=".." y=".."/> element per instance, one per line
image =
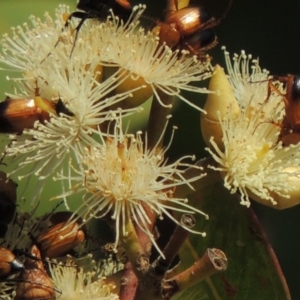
<point x="252" y="267"/>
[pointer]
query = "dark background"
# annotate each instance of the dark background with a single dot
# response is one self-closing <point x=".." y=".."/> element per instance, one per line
<point x="266" y="29"/>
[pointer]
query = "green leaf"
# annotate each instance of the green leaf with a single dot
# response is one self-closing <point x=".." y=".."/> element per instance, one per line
<point x="253" y="270"/>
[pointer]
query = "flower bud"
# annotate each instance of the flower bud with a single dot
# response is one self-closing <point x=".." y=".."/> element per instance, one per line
<point x="219" y="105"/>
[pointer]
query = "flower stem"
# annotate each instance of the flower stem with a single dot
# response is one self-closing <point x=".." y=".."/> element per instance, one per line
<point x="129" y="283"/>
<point x="158" y="119"/>
<point x="137" y="245"/>
<point x="136" y="254"/>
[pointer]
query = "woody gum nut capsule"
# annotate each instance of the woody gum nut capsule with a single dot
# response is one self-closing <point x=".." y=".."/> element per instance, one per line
<point x="218" y="105"/>
<point x="284" y="202"/>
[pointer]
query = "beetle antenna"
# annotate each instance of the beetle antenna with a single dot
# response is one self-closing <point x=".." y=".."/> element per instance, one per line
<point x="225" y="12"/>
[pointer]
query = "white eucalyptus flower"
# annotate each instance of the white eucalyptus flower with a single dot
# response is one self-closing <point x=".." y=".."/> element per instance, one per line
<point x="75" y="284"/>
<point x="7" y="290"/>
<point x="252" y="160"/>
<point x="155" y="66"/>
<point x="122" y="175"/>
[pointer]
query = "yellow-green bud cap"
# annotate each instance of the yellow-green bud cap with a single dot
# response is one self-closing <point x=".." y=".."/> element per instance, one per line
<point x="219" y="105"/>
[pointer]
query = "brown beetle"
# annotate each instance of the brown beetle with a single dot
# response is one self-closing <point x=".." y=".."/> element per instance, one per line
<point x="190" y="28"/>
<point x="33" y="282"/>
<point x="290" y="126"/>
<point x="290" y="130"/>
<point x="9" y="265"/>
<point x="64" y="233"/>
<point x="19" y="114"/>
<point x="100" y="10"/>
<point x="8" y="198"/>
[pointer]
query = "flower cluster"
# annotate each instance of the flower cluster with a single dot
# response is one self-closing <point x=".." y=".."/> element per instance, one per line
<point x="78" y="80"/>
<point x="251" y="156"/>
<point x="111" y="65"/>
<point x="77" y="87"/>
<point x="121" y="176"/>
